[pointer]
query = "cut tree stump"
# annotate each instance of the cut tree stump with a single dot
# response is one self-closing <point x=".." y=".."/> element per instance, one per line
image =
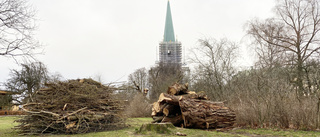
<point x="161" y="128"/>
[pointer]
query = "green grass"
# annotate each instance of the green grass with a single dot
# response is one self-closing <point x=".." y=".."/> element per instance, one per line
<point x="6" y="125"/>
<point x="277" y="132"/>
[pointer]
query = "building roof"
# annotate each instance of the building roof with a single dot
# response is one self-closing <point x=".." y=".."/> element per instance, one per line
<point x="168" y="30"/>
<point x="3" y="92"/>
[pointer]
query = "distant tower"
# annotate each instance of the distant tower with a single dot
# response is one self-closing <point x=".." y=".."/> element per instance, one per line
<point x="169" y="49"/>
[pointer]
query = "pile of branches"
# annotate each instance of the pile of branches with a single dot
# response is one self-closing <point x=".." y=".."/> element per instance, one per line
<point x="71" y="107"/>
<point x="189" y="109"/>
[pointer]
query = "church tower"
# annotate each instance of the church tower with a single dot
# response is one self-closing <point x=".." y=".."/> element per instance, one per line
<point x="170" y="48"/>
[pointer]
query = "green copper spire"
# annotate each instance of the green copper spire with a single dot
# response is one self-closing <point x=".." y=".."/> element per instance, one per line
<point x="168" y="30"/>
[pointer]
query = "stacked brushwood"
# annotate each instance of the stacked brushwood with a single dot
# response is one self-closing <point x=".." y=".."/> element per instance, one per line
<point x="189" y="109"/>
<point x="71" y="107"/>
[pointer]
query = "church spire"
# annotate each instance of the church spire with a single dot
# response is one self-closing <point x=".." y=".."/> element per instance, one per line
<point x="168" y="30"/>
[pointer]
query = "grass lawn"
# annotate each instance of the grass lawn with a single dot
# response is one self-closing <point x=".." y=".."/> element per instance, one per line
<point x="6" y="125"/>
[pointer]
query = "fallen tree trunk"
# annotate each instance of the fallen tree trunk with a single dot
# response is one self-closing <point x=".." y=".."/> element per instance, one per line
<point x="191" y="110"/>
<point x="193" y="113"/>
<point x="205" y="114"/>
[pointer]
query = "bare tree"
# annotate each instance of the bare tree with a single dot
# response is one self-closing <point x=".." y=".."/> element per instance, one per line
<point x="215" y="65"/>
<point x="269" y="56"/>
<point x="17" y="23"/>
<point x="139" y="79"/>
<point x="294" y="30"/>
<point x="162" y="76"/>
<point x="27" y="80"/>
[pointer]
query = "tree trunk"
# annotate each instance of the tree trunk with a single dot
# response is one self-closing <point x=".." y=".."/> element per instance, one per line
<point x="300" y="75"/>
<point x="191" y="110"/>
<point x="194" y="113"/>
<point x="205" y="114"/>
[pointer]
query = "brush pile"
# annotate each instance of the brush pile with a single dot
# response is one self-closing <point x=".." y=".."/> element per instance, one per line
<point x="75" y="106"/>
<point x="191" y="110"/>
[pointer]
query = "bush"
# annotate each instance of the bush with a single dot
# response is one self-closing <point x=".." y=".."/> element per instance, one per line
<point x="139" y="107"/>
<point x="263" y="99"/>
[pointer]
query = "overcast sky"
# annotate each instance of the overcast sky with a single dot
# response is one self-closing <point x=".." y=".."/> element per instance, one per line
<point x="112" y="38"/>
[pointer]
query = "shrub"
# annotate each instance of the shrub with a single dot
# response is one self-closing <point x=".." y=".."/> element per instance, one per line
<point x="139" y="107"/>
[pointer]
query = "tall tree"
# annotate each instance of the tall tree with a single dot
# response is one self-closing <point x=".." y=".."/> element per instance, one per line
<point x="17" y="23"/>
<point x="295" y="30"/>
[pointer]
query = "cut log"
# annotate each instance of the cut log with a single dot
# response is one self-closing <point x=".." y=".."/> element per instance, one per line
<point x="191" y="110"/>
<point x="157" y="108"/>
<point x="205" y="114"/>
<point x="167" y="98"/>
<point x="177" y="89"/>
<point x="174" y="100"/>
